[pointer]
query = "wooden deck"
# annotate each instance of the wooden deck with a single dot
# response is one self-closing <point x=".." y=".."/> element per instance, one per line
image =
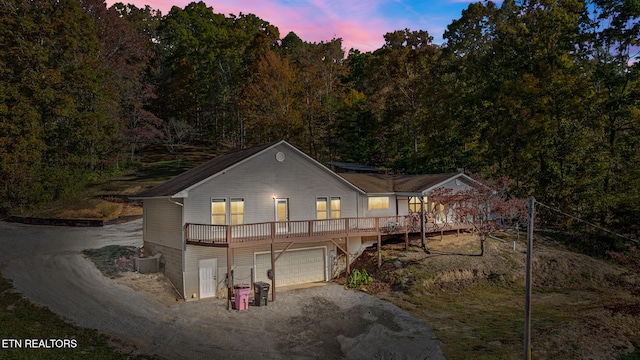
<point x="308" y="230"/>
<point x="290" y="232"/>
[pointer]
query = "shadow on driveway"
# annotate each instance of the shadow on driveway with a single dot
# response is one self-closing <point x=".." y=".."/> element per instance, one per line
<point x="321" y="322"/>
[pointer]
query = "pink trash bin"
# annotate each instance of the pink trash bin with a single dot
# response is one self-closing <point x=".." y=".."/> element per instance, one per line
<point x="242" y="296"/>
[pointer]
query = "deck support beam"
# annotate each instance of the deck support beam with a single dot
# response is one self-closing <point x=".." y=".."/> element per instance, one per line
<point x="344" y="251"/>
<point x="229" y="284"/>
<point x="406" y="238"/>
<point x="273" y="272"/>
<point x="283" y="250"/>
<point x="273" y="262"/>
<point x="346" y="246"/>
<point x="423" y="224"/>
<point x="379" y="251"/>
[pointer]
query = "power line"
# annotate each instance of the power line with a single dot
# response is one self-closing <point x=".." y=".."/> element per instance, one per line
<point x="528" y="290"/>
<point x="586" y="222"/>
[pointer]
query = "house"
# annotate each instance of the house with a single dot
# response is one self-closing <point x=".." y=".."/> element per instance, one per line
<point x="272" y="213"/>
<point x="410" y="192"/>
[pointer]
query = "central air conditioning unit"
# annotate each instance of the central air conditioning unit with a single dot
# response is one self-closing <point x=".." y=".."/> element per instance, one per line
<point x="145" y="265"/>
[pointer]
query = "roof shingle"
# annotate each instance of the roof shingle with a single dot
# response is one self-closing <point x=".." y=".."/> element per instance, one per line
<point x="380" y="183"/>
<point x="201" y="172"/>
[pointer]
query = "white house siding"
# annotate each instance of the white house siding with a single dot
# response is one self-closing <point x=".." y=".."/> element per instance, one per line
<point x="162" y="233"/>
<point x="259" y="179"/>
<point x="403" y="205"/>
<point x="242" y="265"/>
<point x="456" y="185"/>
<point x="192" y="255"/>
<point x="163" y="223"/>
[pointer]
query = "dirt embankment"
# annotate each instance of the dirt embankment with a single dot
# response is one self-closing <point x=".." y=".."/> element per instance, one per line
<point x="583" y="308"/>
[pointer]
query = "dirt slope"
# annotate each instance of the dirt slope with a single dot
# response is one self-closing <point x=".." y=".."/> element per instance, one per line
<point x="582" y="308"/>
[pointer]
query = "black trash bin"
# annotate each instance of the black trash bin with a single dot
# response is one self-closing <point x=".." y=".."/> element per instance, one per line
<point x="261" y="291"/>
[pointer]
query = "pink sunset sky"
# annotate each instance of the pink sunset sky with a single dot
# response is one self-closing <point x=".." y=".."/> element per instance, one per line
<point x="360" y="24"/>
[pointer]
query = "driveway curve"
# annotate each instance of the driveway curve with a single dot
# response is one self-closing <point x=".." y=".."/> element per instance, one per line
<point x="324" y="322"/>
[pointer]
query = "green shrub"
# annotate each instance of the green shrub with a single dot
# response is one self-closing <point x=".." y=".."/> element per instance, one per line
<point x="359" y="280"/>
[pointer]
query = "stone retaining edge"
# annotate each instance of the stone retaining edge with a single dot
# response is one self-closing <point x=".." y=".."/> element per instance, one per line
<point x="71" y="222"/>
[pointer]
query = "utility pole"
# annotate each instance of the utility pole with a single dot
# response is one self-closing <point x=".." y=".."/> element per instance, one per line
<point x="527" y="306"/>
<point x="423" y="224"/>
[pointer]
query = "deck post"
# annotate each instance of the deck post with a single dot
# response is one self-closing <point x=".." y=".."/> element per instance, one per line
<point x="229" y="285"/>
<point x="406" y="238"/>
<point x="273" y="262"/>
<point x="422" y="223"/>
<point x="379" y="251"/>
<point x="346" y="246"/>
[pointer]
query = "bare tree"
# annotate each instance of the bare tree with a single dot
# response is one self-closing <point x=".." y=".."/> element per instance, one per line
<point x="176" y="134"/>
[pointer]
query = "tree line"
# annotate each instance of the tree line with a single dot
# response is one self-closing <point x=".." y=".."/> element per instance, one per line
<point x="545" y="92"/>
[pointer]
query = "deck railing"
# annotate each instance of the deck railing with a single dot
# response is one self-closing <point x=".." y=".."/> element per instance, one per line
<point x="223" y="235"/>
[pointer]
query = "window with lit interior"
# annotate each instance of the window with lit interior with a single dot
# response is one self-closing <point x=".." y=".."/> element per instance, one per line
<point x="378" y="202"/>
<point x="237" y="211"/>
<point x="218" y="212"/>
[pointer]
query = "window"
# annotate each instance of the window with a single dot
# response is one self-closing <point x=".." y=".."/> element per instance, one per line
<point x="335" y="207"/>
<point x="321" y="208"/>
<point x="414" y="204"/>
<point x="237" y="211"/>
<point x="326" y="210"/>
<point x="378" y="202"/>
<point x="218" y="211"/>
<point x="439" y="213"/>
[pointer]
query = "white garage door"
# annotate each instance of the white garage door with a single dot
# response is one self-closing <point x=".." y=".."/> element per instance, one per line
<point x="293" y="267"/>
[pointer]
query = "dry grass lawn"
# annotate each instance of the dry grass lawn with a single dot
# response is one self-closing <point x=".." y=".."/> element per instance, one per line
<point x="110" y="199"/>
<point x="582" y="308"/>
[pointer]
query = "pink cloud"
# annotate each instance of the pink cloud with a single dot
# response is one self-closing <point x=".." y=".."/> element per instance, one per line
<point x="356" y="22"/>
<point x="316" y="21"/>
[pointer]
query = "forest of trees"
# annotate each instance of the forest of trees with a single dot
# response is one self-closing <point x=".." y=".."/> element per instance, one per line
<point x="546" y="92"/>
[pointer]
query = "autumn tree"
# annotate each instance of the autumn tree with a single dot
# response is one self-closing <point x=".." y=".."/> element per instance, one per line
<point x="204" y="60"/>
<point x="270" y="109"/>
<point x="486" y="205"/>
<point x="126" y="52"/>
<point x="612" y="33"/>
<point x="404" y="78"/>
<point x="357" y="132"/>
<point x="524" y="97"/>
<point x="319" y="69"/>
<point x="53" y="132"/>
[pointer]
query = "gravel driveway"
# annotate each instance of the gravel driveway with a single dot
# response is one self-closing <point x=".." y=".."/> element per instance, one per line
<point x="324" y="322"/>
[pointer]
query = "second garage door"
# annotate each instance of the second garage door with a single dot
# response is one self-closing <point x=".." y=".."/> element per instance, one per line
<point x="298" y="266"/>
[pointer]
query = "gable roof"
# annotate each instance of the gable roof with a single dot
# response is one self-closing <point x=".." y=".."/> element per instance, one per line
<point x="176" y="187"/>
<point x="201" y="172"/>
<point x="410" y="184"/>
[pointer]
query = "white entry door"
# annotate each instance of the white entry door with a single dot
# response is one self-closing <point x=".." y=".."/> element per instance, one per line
<point x="208" y="277"/>
<point x="282" y="215"/>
